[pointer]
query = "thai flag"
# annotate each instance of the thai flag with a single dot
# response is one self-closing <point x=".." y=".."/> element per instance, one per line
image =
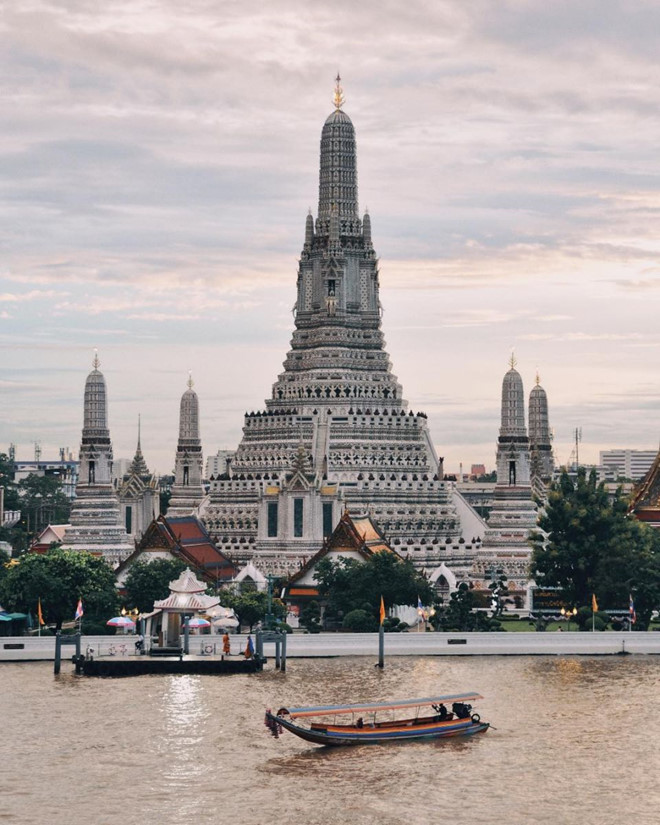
<point x="79" y="609"/>
<point x="420" y="607"/>
<point x="631" y="610"/>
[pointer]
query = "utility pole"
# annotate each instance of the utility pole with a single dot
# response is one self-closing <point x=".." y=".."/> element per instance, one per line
<point x="578" y="438"/>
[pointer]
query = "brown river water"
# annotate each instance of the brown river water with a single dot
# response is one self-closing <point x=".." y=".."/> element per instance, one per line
<point x="576" y="741"/>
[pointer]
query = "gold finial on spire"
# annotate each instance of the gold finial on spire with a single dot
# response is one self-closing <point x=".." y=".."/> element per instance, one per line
<point x="338" y="98"/>
<point x="190" y="381"/>
<point x="512" y="360"/>
<point x="96" y="363"/>
<point x="538" y="379"/>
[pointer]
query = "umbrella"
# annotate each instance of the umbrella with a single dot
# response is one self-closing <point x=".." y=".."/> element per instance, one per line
<point x="120" y="621"/>
<point x="225" y="621"/>
<point x="198" y="623"/>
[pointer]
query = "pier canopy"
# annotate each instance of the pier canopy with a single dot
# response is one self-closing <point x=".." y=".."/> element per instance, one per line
<point x="187" y="599"/>
<point x="187" y="595"/>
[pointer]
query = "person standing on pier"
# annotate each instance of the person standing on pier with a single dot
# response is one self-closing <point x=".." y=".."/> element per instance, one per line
<point x="226" y="644"/>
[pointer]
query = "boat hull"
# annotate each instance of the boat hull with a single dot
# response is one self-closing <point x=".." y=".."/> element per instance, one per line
<point x="381" y="735"/>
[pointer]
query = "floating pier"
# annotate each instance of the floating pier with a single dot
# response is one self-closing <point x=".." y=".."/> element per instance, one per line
<point x="120" y="662"/>
<point x="146" y="665"/>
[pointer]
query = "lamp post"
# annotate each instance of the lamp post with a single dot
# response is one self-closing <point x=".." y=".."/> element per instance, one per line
<point x="269" y="604"/>
<point x="567" y="614"/>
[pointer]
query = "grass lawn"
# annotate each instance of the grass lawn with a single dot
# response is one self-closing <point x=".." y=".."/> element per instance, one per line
<point x="525" y="626"/>
<point x="517" y="626"/>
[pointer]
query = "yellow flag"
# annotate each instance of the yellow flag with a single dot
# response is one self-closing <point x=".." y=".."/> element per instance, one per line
<point x="40" y="615"/>
<point x="594" y="603"/>
<point x="382" y="610"/>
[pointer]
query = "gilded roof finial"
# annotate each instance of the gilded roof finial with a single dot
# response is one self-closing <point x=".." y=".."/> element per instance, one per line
<point x="538" y="379"/>
<point x="512" y="360"/>
<point x="190" y="381"/>
<point x="338" y="98"/>
<point x="96" y="363"/>
<point x="139" y="431"/>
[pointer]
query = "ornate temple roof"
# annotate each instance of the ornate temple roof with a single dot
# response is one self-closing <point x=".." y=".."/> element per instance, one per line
<point x="187" y="539"/>
<point x="359" y="535"/>
<point x="645" y="503"/>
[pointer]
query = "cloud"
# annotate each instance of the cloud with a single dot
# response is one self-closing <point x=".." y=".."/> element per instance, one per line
<point x="21" y="297"/>
<point x="160" y="160"/>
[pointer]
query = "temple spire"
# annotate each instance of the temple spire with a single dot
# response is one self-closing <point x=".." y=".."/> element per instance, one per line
<point x="513" y="403"/>
<point x="338" y="97"/>
<point x="96" y="363"/>
<point x="187" y="490"/>
<point x="338" y="175"/>
<point x="95" y="523"/>
<point x="191" y="383"/>
<point x="139" y="465"/>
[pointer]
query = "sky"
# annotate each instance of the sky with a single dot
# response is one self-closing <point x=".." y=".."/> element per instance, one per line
<point x="157" y="162"/>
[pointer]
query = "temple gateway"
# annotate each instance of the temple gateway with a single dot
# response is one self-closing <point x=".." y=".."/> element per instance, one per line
<point x="336" y="433"/>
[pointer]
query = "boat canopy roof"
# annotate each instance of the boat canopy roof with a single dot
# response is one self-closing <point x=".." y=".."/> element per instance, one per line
<point x="374" y="707"/>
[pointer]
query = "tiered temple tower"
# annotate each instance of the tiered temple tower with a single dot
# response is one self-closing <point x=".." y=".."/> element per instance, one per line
<point x="540" y="441"/>
<point x="187" y="490"/>
<point x="506" y="541"/>
<point x="138" y="495"/>
<point x="96" y="524"/>
<point x="336" y="431"/>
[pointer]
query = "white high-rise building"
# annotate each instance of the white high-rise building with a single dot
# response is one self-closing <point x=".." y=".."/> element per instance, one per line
<point x="633" y="464"/>
<point x="219" y="464"/>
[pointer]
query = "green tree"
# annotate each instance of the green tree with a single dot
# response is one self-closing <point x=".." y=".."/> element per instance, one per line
<point x="148" y="581"/>
<point x="499" y="589"/>
<point x="15" y="536"/>
<point x="251" y="606"/>
<point x="59" y="578"/>
<point x="164" y="495"/>
<point x="460" y="613"/>
<point x="588" y="544"/>
<point x="7" y="482"/>
<point x="42" y="502"/>
<point x="360" y="621"/>
<point x="310" y="617"/>
<point x="349" y="584"/>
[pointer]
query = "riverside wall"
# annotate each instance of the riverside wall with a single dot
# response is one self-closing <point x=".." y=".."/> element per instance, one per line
<point x="321" y="645"/>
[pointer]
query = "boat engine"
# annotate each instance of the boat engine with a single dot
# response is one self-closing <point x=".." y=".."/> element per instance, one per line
<point x="272" y="724"/>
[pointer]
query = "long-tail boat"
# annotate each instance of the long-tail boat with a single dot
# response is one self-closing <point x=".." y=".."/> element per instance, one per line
<point x="376" y="722"/>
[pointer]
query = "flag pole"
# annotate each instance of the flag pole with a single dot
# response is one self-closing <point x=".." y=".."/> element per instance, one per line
<point x="381" y="636"/>
<point x="594" y="610"/>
